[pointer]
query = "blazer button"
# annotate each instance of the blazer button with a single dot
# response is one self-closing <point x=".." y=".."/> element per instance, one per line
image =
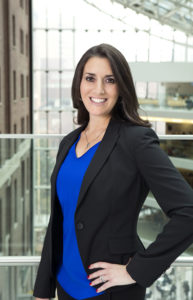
<point x="79" y="225"/>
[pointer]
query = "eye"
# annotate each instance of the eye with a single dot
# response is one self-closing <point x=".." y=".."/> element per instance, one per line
<point x="89" y="78"/>
<point x="111" y="80"/>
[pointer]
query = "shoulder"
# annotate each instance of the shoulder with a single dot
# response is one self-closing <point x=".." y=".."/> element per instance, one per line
<point x="136" y="135"/>
<point x="141" y="142"/>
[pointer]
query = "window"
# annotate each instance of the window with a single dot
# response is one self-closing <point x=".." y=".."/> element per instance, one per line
<point x="28" y="174"/>
<point x="26" y="6"/>
<point x="1" y="233"/>
<point x="166" y="49"/>
<point x="179" y="53"/>
<point x="15" y="140"/>
<point x="27" y="124"/>
<point x="152" y="90"/>
<point x="13" y="30"/>
<point x="0" y="87"/>
<point x="23" y="179"/>
<point x="21" y="41"/>
<point x="27" y="45"/>
<point x="8" y="148"/>
<point x="15" y="202"/>
<point x="8" y="210"/>
<point x="0" y="152"/>
<point x="22" y="86"/>
<point x="190" y="54"/>
<point x="27" y="86"/>
<point x="14" y="86"/>
<point x="155" y="49"/>
<point x="180" y="36"/>
<point x="142" y="38"/>
<point x="190" y="40"/>
<point x="22" y="125"/>
<point x="141" y="89"/>
<point x="15" y="128"/>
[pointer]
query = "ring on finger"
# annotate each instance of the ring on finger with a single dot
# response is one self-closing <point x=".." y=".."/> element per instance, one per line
<point x="102" y="279"/>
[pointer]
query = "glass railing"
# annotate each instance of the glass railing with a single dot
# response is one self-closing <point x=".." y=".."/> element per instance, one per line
<point x="26" y="163"/>
<point x="18" y="275"/>
<point x="168" y="102"/>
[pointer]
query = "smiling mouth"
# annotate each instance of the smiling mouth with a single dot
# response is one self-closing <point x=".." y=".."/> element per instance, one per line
<point x="98" y="100"/>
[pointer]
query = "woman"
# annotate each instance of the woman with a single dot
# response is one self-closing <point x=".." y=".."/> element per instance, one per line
<point x="104" y="170"/>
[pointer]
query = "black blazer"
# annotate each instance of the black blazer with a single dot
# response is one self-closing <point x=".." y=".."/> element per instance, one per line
<point x="126" y="165"/>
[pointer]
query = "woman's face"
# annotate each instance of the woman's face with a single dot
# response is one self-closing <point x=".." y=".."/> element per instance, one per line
<point x="98" y="88"/>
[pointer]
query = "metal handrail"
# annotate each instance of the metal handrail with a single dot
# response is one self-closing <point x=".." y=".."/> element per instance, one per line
<point x="29" y="136"/>
<point x="32" y="136"/>
<point x="184" y="261"/>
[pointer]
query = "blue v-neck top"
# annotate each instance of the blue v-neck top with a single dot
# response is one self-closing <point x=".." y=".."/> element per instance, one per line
<point x="71" y="274"/>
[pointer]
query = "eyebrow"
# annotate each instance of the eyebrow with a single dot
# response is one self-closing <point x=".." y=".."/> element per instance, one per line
<point x="93" y="74"/>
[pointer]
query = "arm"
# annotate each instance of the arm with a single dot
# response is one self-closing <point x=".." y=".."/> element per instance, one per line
<point x="175" y="197"/>
<point x="45" y="285"/>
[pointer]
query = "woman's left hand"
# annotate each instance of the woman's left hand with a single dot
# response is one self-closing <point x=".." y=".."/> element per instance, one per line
<point x="113" y="274"/>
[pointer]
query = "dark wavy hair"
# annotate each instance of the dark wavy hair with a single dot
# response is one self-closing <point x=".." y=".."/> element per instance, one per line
<point x="127" y="104"/>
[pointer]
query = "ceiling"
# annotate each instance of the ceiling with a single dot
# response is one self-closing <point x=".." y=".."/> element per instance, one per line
<point x="176" y="13"/>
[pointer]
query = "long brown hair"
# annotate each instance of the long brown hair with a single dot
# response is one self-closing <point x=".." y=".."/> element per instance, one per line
<point x="127" y="104"/>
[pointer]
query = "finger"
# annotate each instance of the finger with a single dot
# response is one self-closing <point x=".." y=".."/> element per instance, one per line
<point x="100" y="264"/>
<point x="98" y="280"/>
<point x="105" y="286"/>
<point x="97" y="274"/>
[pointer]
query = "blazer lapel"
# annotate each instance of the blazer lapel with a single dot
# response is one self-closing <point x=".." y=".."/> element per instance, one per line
<point x="103" y="151"/>
<point x="69" y="141"/>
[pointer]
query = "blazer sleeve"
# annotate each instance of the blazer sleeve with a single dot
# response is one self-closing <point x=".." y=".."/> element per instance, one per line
<point x="175" y="196"/>
<point x="45" y="283"/>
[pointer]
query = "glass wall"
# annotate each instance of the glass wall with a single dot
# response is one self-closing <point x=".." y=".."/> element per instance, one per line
<point x="16" y="194"/>
<point x="62" y="34"/>
<point x="177" y="283"/>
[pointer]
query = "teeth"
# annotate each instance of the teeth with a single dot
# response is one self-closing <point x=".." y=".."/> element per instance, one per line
<point x="97" y="100"/>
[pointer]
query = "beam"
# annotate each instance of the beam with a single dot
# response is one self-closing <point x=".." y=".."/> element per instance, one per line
<point x="183" y="26"/>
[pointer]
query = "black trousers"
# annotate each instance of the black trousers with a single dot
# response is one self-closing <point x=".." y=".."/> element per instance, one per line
<point x="132" y="292"/>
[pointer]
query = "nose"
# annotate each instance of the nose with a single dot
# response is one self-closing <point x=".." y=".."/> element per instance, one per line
<point x="100" y="87"/>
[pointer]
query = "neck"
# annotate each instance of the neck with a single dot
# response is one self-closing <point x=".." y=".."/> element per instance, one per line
<point x="97" y="123"/>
